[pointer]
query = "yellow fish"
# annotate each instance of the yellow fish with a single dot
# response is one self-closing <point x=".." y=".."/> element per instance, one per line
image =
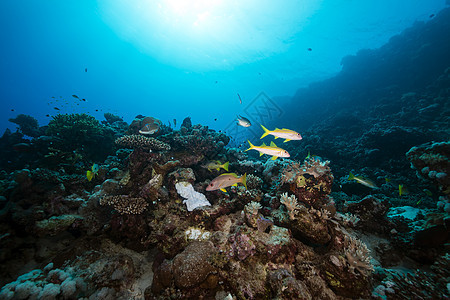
<point x="216" y="165"/>
<point x="428" y="192"/>
<point x="92" y="172"/>
<point x="402" y="190"/>
<point x="269" y="150"/>
<point x="364" y="181"/>
<point x="283" y="133"/>
<point x="225" y="180"/>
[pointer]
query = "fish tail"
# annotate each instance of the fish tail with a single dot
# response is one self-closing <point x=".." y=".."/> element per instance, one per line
<point x="251" y="145"/>
<point x="266" y="131"/>
<point x="225" y="166"/>
<point x="400" y="189"/>
<point x="244" y="180"/>
<point x="351" y="176"/>
<point x="89" y="175"/>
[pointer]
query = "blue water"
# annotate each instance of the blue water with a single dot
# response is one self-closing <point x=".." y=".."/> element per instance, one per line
<point x="168" y="60"/>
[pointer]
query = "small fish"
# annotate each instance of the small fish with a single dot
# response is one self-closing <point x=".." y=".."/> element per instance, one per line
<point x="431" y="16"/>
<point x="85" y="70"/>
<point x="92" y="172"/>
<point x="309" y="49"/>
<point x="12" y="109"/>
<point x="216" y="165"/>
<point x="240" y="99"/>
<point x="283" y="133"/>
<point x="215" y="119"/>
<point x="269" y="150"/>
<point x="243" y="121"/>
<point x="83" y="100"/>
<point x="226" y="180"/>
<point x="308" y="156"/>
<point x="47" y="115"/>
<point x="174" y="122"/>
<point x="428" y="192"/>
<point x="56" y="108"/>
<point x="75" y="96"/>
<point x="364" y="181"/>
<point x="402" y="190"/>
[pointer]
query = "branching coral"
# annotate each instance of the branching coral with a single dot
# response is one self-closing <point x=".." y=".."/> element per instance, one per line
<point x="143" y="142"/>
<point x="358" y="256"/>
<point x="76" y="128"/>
<point x="81" y="132"/>
<point x="125" y="204"/>
<point x="291" y="204"/>
<point x="254" y="182"/>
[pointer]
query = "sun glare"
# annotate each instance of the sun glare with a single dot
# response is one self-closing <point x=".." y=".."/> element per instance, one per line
<point x="208" y="34"/>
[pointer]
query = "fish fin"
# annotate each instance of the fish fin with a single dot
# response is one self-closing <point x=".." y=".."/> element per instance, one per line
<point x="350" y="176"/>
<point x="272" y="144"/>
<point x="223" y="190"/>
<point x="251" y="146"/>
<point x="263" y="145"/>
<point x="89" y="175"/>
<point x="234" y="184"/>
<point x="274" y="157"/>
<point x="266" y="131"/>
<point x="218" y="168"/>
<point x="276" y="137"/>
<point x="277" y="128"/>
<point x="286" y="140"/>
<point x="261" y="154"/>
<point x="225" y="166"/>
<point x="244" y="180"/>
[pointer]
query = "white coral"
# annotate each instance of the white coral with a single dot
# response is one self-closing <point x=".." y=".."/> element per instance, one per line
<point x="193" y="199"/>
<point x="291" y="204"/>
<point x="358" y="256"/>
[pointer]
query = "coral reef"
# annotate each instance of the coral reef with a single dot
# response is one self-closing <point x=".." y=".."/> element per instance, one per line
<point x="145" y="227"/>
<point x="432" y="162"/>
<point x="27" y="125"/>
<point x="125" y="205"/>
<point x="143" y="142"/>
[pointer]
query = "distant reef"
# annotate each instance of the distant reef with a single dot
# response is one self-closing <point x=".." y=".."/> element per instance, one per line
<point x="410" y="62"/>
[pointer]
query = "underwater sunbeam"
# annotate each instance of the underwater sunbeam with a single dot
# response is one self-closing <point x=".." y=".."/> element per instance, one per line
<point x="205" y="35"/>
